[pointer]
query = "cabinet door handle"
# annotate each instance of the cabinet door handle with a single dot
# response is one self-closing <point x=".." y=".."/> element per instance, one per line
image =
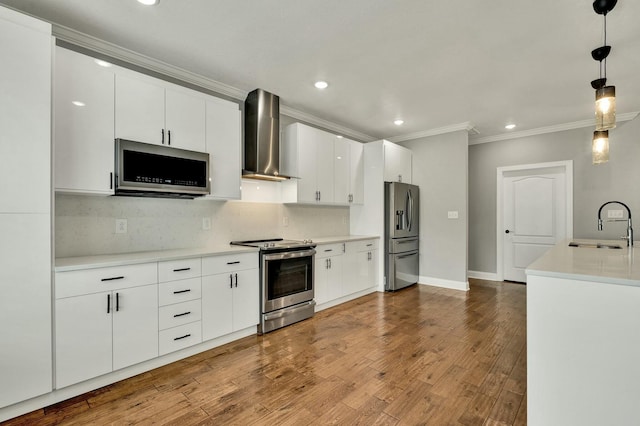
<point x="236" y="280"/>
<point x="111" y="180"/>
<point x="399" y="178"/>
<point x="230" y="280"/>
<point x="182" y="291"/>
<point x="117" y="302"/>
<point x="169" y="133"/>
<point x="181" y="269"/>
<point x="108" y="303"/>
<point x="329" y="263"/>
<point x="182" y="337"/>
<point x="319" y="195"/>
<point x="112" y="278"/>
<point x="344" y="248"/>
<point x="181" y="315"/>
<point x="326" y="264"/>
<point x="162" y="136"/>
<point x="233" y="263"/>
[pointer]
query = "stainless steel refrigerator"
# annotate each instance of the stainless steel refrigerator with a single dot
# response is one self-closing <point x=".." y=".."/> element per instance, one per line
<point x="401" y="229"/>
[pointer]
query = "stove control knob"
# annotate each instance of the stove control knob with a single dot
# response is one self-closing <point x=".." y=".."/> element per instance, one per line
<point x="266" y="245"/>
<point x="272" y="244"/>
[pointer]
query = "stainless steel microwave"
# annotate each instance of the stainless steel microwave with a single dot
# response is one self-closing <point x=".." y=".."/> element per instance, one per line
<point x="148" y="170"/>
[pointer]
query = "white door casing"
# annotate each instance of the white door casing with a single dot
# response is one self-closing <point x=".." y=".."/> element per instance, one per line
<point x="534" y="213"/>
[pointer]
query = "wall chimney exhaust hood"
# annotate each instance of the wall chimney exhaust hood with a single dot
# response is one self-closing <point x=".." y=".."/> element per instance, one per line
<point x="262" y="136"/>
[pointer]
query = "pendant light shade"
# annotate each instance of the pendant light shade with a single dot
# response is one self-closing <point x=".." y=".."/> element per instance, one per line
<point x="606" y="108"/>
<point x="600" y="147"/>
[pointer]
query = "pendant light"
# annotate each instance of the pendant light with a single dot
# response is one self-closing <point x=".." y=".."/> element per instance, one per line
<point x="605" y="95"/>
<point x="600" y="147"/>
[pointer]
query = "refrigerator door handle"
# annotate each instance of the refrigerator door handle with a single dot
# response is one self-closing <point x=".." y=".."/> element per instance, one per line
<point x="408" y="208"/>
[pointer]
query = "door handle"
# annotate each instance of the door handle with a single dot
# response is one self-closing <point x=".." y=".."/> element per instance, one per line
<point x="507" y="231"/>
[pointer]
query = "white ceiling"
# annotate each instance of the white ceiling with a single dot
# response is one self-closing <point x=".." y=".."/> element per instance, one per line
<point x="432" y="63"/>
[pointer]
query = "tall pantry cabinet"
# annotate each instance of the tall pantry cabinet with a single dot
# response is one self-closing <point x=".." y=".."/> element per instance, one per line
<point x="25" y="207"/>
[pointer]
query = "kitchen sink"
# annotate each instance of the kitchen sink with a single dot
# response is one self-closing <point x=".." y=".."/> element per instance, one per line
<point x="595" y="245"/>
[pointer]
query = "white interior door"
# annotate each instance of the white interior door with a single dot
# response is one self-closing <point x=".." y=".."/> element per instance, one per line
<point x="534" y="212"/>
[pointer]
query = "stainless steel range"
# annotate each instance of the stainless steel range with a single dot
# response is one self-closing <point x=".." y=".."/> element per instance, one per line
<point x="286" y="281"/>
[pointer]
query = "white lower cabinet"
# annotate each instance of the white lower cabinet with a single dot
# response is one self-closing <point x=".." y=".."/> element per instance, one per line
<point x="230" y="300"/>
<point x="343" y="269"/>
<point x="362" y="257"/>
<point x="105" y="319"/>
<point x="328" y="272"/>
<point x="101" y="332"/>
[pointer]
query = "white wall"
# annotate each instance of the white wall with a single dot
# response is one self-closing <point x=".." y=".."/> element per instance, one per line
<point x="440" y="170"/>
<point x="85" y="225"/>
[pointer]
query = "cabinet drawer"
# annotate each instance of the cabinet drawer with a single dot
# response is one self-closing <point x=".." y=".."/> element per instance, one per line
<point x="179" y="291"/>
<point x="366" y="245"/>
<point x="179" y="314"/>
<point x="180" y="337"/>
<point x="88" y="281"/>
<point x="327" y="250"/>
<point x="229" y="262"/>
<point x="173" y="270"/>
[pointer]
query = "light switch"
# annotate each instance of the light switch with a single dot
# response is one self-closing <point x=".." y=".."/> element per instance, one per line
<point x="452" y="214"/>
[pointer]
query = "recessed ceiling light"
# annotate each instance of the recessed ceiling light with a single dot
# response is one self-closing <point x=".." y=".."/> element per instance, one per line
<point x="102" y="63"/>
<point x="149" y="2"/>
<point x="398" y="122"/>
<point x="321" y="84"/>
<point x="339" y="136"/>
<point x="510" y="126"/>
<point x="78" y="103"/>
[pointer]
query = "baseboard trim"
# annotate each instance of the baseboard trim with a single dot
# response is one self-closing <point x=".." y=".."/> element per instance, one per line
<point x="439" y="282"/>
<point x="489" y="276"/>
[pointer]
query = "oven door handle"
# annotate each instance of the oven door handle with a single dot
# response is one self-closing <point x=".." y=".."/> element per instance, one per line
<point x="289" y="254"/>
<point x="288" y="311"/>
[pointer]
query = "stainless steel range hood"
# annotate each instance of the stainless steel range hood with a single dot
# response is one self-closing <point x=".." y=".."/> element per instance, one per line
<point x="262" y="136"/>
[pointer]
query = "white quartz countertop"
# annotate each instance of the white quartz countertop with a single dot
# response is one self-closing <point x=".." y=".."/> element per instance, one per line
<point x="89" y="262"/>
<point x="613" y="266"/>
<point x="343" y="239"/>
<point x="105" y="260"/>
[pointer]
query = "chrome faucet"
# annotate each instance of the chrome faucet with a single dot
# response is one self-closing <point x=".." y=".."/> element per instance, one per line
<point x="629" y="236"/>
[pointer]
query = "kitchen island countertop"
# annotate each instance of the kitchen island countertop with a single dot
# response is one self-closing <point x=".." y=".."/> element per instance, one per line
<point x="612" y="266"/>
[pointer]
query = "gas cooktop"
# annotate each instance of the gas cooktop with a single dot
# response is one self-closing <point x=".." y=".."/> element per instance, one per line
<point x="275" y="244"/>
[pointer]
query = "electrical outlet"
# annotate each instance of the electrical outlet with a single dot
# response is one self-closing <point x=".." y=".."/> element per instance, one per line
<point x="121" y="226"/>
<point x="452" y="214"/>
<point x="206" y="223"/>
<point x="285" y="220"/>
<point x="615" y="214"/>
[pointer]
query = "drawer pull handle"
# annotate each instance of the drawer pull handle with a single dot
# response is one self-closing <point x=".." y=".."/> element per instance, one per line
<point x="112" y="279"/>
<point x="181" y="315"/>
<point x="369" y="245"/>
<point x="328" y="250"/>
<point x="181" y="269"/>
<point x="182" y="291"/>
<point x="182" y="337"/>
<point x="233" y="263"/>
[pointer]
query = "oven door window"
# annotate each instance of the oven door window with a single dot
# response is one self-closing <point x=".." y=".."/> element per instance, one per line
<point x="289" y="276"/>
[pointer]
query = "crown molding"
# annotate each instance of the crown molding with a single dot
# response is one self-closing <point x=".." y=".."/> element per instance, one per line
<point x="316" y="121"/>
<point x="128" y="58"/>
<point x="466" y="126"/>
<point x="550" y="129"/>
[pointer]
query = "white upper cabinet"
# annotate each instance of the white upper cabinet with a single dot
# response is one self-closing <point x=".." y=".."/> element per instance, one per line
<point x="84" y="120"/>
<point x="152" y="111"/>
<point x="341" y="170"/>
<point x="140" y="109"/>
<point x="397" y="163"/>
<point x="224" y="145"/>
<point x="185" y="119"/>
<point x="356" y="172"/>
<point x="322" y="166"/>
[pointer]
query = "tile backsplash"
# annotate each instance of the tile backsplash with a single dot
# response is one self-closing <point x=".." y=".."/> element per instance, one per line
<point x="86" y="225"/>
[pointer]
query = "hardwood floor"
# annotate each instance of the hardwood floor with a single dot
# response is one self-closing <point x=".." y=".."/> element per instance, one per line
<point x="424" y="355"/>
